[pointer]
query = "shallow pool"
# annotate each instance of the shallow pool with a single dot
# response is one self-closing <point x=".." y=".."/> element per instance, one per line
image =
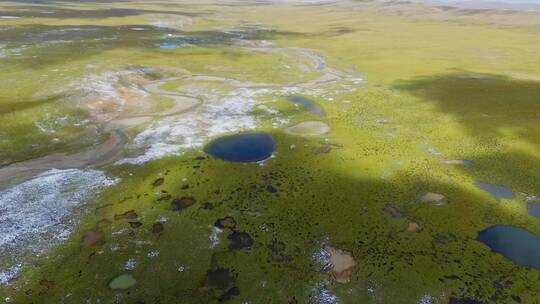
<point x="497" y="191"/>
<point x="313" y="107"/>
<point x="534" y="209"/>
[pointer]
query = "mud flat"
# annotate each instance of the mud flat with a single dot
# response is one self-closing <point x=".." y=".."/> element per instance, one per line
<point x="103" y="154"/>
<point x="308" y="128"/>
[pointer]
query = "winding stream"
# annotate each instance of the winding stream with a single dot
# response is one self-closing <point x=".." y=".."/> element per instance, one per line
<point x="111" y="150"/>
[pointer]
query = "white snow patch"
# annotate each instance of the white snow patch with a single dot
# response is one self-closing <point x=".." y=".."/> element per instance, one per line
<point x="130" y="264"/>
<point x="114" y="247"/>
<point x="153" y="254"/>
<point x="214" y="237"/>
<point x="155" y="151"/>
<point x="140" y="243"/>
<point x="322" y="257"/>
<point x="106" y="84"/>
<point x="10" y="273"/>
<point x="172" y="135"/>
<point x="219" y="115"/>
<point x="426" y="299"/>
<point x="121" y="231"/>
<point x="43" y="204"/>
<point x="162" y="219"/>
<point x="357" y="80"/>
<point x="170" y="22"/>
<point x="324" y="296"/>
<point x="36" y="214"/>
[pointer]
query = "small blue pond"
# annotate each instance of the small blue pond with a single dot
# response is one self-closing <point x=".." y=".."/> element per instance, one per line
<point x="313" y="107"/>
<point x="534" y="209"/>
<point x="498" y="192"/>
<point x="244" y="147"/>
<point x="169" y="46"/>
<point x="517" y="244"/>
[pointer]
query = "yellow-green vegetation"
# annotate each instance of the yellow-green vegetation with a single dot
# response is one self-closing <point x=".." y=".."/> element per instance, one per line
<point x="411" y="95"/>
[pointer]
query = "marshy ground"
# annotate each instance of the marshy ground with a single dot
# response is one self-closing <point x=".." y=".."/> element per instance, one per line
<point x="268" y="152"/>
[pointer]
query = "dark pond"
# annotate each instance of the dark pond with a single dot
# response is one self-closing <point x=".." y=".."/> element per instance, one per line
<point x="244" y="147"/>
<point x="534" y="209"/>
<point x="313" y="107"/>
<point x="497" y="191"/>
<point x="517" y="244"/>
<point x="240" y="240"/>
<point x="219" y="278"/>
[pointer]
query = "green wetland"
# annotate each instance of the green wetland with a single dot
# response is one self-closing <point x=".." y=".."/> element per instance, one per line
<point x="316" y="152"/>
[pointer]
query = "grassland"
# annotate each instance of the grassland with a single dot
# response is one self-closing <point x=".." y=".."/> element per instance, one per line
<point x="433" y="91"/>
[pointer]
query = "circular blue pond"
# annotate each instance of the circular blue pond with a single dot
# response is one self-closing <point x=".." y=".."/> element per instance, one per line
<point x="517" y="244"/>
<point x="244" y="147"/>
